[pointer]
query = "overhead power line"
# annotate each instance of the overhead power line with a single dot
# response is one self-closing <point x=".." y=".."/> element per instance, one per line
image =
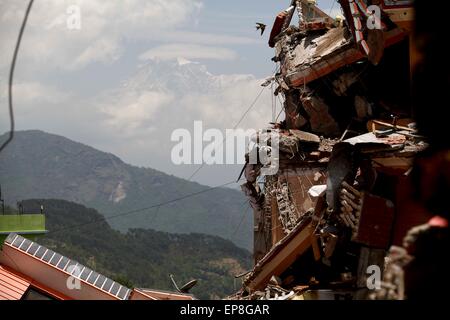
<point x="11" y="77"/>
<point x="12" y="129"/>
<point x="122" y="214"/>
<point x="234" y="127"/>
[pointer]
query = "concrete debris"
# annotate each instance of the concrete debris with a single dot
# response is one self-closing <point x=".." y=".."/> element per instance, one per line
<point x="344" y="82"/>
<point x="392" y="286"/>
<point x="289" y="144"/>
<point x="320" y="120"/>
<point x="267" y="81"/>
<point x="363" y="108"/>
<point x="347" y="146"/>
<point x="317" y="191"/>
<point x="305" y="136"/>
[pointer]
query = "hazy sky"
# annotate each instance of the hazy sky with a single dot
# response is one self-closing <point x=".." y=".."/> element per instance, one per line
<point x="71" y="82"/>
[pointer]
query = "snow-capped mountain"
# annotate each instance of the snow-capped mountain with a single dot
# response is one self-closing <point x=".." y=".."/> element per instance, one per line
<point x="180" y="76"/>
<point x="166" y="95"/>
<point x="181" y="87"/>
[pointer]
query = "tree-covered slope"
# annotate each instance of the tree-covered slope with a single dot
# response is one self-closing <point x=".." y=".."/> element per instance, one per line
<point x="142" y="258"/>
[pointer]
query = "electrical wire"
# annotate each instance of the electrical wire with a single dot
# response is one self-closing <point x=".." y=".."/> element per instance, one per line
<point x="224" y="140"/>
<point x="11" y="77"/>
<point x="235" y="126"/>
<point x="332" y="7"/>
<point x="135" y="211"/>
<point x="12" y="129"/>
<point x="242" y="219"/>
<point x="157" y="206"/>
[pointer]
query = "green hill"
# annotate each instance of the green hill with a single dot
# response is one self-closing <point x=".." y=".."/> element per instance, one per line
<point x="46" y="166"/>
<point x="142" y="258"/>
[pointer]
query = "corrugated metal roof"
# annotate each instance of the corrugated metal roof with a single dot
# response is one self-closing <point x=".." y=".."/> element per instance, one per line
<point x="12" y="287"/>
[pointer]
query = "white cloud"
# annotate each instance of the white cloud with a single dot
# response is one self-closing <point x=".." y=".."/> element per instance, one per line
<point x="135" y="121"/>
<point x="224" y="107"/>
<point x="205" y="38"/>
<point x="188" y="51"/>
<point x="105" y="50"/>
<point x="37" y="105"/>
<point x="139" y="111"/>
<point x="132" y="111"/>
<point x="104" y="27"/>
<point x="26" y="93"/>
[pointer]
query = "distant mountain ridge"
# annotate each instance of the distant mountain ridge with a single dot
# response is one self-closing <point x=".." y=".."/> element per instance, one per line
<point x="181" y="77"/>
<point x="42" y="165"/>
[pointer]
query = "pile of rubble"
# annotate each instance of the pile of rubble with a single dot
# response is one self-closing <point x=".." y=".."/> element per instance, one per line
<point x="340" y="198"/>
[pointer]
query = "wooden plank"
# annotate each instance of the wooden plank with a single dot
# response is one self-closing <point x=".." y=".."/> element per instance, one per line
<point x="285" y="257"/>
<point x="316" y="247"/>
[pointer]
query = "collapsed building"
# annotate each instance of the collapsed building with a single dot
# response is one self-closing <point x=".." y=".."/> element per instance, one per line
<point x="340" y="204"/>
